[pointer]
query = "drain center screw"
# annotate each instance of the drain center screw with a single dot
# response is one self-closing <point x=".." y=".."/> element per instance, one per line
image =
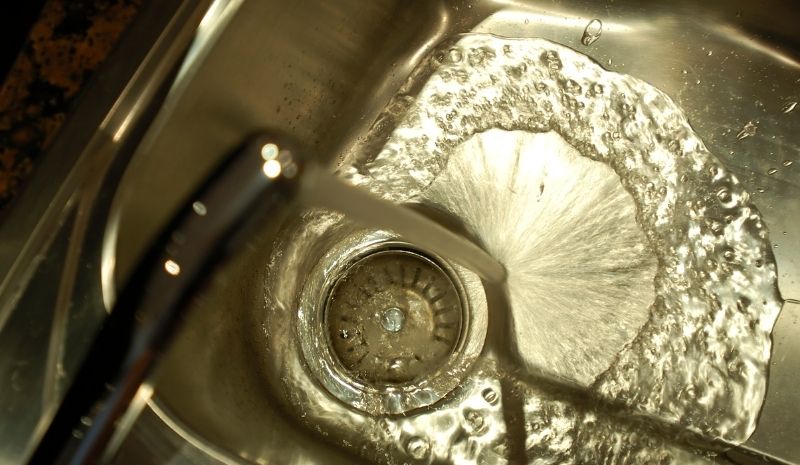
<point x="393" y="319"/>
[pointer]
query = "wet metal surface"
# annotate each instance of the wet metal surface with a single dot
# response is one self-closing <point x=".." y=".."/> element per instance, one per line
<point x="714" y="60"/>
<point x="324" y="71"/>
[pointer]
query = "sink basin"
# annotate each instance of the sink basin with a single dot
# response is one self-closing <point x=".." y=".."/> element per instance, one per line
<point x="236" y="385"/>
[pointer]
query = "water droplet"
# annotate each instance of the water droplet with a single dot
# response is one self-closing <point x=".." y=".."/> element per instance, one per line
<point x="490" y="396"/>
<point x="592" y="32"/>
<point x="748" y="130"/>
<point x="597" y="88"/>
<point x="772" y="171"/>
<point x="572" y="87"/>
<point x="396" y="364"/>
<point x="760" y="190"/>
<point x="418" y="447"/>
<point x="552" y="60"/>
<point x="787" y="162"/>
<point x="475" y="421"/>
<point x="344" y="334"/>
<point x="724" y="195"/>
<point x="455" y="55"/>
<point x="789" y="107"/>
<point x="86" y="421"/>
<point x="518" y="71"/>
<point x="709" y="53"/>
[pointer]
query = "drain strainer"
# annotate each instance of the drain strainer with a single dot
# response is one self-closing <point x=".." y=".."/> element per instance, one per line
<point x="395" y="316"/>
<point x="387" y="327"/>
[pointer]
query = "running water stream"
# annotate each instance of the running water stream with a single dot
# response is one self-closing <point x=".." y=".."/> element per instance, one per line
<point x="325" y="190"/>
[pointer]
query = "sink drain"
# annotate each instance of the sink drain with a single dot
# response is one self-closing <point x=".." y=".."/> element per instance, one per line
<point x="387" y="327"/>
<point x="394" y="316"/>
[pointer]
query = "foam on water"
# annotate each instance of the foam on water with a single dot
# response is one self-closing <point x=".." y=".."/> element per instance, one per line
<point x="657" y="294"/>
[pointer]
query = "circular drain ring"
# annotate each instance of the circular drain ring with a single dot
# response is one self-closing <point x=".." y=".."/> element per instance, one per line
<point x="387" y="395"/>
<point x="393" y="316"/>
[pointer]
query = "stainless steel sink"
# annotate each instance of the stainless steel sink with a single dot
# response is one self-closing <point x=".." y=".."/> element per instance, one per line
<point x="324" y="71"/>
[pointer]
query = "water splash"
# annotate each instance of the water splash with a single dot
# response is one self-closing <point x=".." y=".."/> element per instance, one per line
<point x="418" y="448"/>
<point x="696" y="352"/>
<point x="637" y="131"/>
<point x="580" y="271"/>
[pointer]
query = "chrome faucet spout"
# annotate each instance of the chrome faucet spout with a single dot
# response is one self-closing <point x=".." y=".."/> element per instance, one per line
<point x="251" y="187"/>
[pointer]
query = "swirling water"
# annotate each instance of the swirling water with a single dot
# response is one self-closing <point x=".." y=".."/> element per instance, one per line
<point x="638" y="269"/>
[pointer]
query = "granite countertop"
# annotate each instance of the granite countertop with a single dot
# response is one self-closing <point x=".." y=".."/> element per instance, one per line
<point x="67" y="43"/>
